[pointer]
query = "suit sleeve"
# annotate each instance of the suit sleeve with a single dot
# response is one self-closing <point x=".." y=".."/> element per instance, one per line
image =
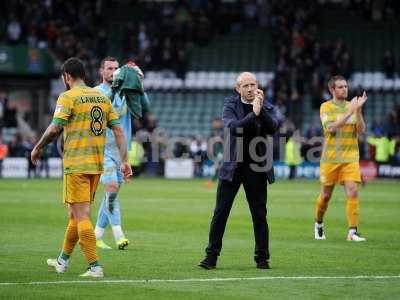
<point x="231" y="121"/>
<point x="270" y="119"/>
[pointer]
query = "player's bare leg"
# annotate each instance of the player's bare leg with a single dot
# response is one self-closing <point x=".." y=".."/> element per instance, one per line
<point x="320" y="209"/>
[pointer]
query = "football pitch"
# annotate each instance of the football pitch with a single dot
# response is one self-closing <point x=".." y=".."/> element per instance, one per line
<point x="167" y="222"/>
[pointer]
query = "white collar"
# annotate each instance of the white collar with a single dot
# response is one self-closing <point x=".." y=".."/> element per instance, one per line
<point x="245" y="102"/>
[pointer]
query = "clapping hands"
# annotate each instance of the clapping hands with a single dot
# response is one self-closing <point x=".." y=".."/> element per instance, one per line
<point x="258" y="102"/>
<point x="357" y="102"/>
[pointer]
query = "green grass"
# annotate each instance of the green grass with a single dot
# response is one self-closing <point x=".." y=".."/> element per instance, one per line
<point x="167" y="222"/>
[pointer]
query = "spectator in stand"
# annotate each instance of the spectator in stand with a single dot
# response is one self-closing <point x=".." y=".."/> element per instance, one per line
<point x="143" y="39"/>
<point x="15" y="148"/>
<point x="396" y="154"/>
<point x="292" y="153"/>
<point x="153" y="42"/>
<point x="397" y="115"/>
<point x="307" y="60"/>
<point x="251" y="10"/>
<point x="388" y="64"/>
<point x="153" y="163"/>
<point x="14" y="31"/>
<point x="384" y="147"/>
<point x="294" y="29"/>
<point x="44" y="162"/>
<point x="317" y="90"/>
<point x="217" y="127"/>
<point x="135" y="157"/>
<point x="311" y="148"/>
<point x="392" y="126"/>
<point x="181" y="63"/>
<point x="129" y="39"/>
<point x="2" y="109"/>
<point x="3" y="155"/>
<point x="56" y="24"/>
<point x="345" y="64"/>
<point x="377" y="127"/>
<point x="27" y="147"/>
<point x="215" y="148"/>
<point x="313" y="131"/>
<point x="198" y="151"/>
<point x="10" y="114"/>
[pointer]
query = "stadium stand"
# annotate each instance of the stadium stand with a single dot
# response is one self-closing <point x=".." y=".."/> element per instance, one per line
<point x="57" y="26"/>
<point x="191" y="57"/>
<point x="187" y="113"/>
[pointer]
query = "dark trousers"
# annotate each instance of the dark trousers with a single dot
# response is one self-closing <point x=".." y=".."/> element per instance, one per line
<point x="255" y="187"/>
<point x="292" y="174"/>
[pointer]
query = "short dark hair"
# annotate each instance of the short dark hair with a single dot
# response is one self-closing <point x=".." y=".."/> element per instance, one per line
<point x="333" y="79"/>
<point x="108" y="58"/>
<point x="74" y="67"/>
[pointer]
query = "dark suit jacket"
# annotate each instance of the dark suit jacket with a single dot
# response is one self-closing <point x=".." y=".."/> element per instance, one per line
<point x="234" y="121"/>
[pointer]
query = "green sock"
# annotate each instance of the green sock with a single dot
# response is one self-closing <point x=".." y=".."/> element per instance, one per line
<point x="94" y="264"/>
<point x="64" y="257"/>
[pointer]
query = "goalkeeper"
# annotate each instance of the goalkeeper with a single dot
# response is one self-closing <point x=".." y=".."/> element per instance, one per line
<point x="124" y="86"/>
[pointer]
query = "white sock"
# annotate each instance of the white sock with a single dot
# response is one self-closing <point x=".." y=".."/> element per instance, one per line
<point x="352" y="231"/>
<point x="318" y="225"/>
<point x="117" y="232"/>
<point x="98" y="232"/>
<point x="62" y="261"/>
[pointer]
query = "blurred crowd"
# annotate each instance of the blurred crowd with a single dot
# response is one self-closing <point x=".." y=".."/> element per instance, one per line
<point x="59" y="26"/>
<point x="375" y="10"/>
<point x="303" y="62"/>
<point x="15" y="142"/>
<point x="151" y="146"/>
<point x="160" y="42"/>
<point x="164" y="41"/>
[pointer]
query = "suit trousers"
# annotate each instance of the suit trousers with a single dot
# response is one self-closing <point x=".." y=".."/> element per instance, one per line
<point x="255" y="187"/>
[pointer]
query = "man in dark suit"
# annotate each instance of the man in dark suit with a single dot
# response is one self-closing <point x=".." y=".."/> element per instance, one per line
<point x="248" y="119"/>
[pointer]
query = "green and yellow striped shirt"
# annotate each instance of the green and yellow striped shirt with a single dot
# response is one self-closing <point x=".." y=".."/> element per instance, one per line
<point x="84" y="113"/>
<point x="340" y="146"/>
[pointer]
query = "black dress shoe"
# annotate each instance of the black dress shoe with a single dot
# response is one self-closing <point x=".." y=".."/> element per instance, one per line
<point x="208" y="263"/>
<point x="263" y="264"/>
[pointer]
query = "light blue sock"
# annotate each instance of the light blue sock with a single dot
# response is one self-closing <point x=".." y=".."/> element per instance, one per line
<point x="114" y="216"/>
<point x="102" y="217"/>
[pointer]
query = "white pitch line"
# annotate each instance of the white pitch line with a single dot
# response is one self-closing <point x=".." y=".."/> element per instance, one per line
<point x="191" y="280"/>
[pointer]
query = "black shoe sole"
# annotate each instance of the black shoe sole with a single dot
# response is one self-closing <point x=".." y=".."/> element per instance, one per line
<point x="206" y="267"/>
<point x="263" y="267"/>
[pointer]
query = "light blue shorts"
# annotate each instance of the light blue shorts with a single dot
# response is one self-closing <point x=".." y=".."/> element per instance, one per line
<point x="112" y="171"/>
